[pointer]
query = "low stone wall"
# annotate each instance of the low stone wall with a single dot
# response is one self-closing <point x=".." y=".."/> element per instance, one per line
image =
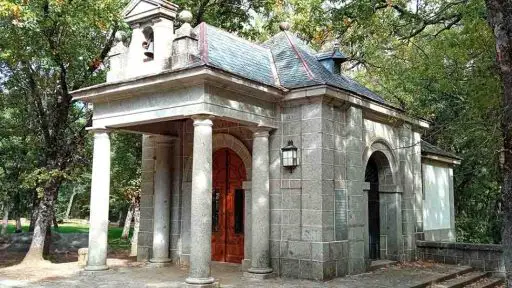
<point x="61" y="242"/>
<point x="485" y="257"/>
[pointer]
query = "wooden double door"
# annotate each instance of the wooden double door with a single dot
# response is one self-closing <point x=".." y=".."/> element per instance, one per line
<point x="228" y="209"/>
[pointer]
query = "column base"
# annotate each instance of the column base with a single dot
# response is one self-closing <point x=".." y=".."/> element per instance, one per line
<point x="260" y="270"/>
<point x="260" y="276"/>
<point x="159" y="262"/>
<point x="201" y="282"/>
<point x="210" y="285"/>
<point x="96" y="268"/>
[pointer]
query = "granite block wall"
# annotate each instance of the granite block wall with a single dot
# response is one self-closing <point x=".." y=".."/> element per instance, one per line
<point x="410" y="206"/>
<point x="357" y="198"/>
<point x="308" y="215"/>
<point x="484" y="257"/>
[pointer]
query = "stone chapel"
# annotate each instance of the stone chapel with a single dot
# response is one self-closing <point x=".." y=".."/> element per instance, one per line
<point x="261" y="154"/>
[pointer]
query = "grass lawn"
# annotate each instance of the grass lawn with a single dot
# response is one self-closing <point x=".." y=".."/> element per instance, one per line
<point x="114" y="233"/>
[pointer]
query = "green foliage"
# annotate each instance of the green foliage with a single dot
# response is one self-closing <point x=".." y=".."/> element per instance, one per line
<point x="49" y="48"/>
<point x="232" y="15"/>
<point x="126" y="170"/>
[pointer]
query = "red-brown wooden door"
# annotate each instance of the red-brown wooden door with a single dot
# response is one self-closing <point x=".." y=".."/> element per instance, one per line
<point x="228" y="207"/>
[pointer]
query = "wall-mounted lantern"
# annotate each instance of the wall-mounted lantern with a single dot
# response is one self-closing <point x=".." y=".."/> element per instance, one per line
<point x="289" y="157"/>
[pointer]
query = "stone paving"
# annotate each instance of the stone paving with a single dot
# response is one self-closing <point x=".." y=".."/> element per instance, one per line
<point x="228" y="275"/>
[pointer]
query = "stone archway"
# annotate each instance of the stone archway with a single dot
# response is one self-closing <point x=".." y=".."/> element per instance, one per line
<point x="223" y="140"/>
<point x="387" y="160"/>
<point x="384" y="224"/>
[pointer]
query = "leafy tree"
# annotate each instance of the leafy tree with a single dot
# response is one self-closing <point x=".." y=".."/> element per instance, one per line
<point x="49" y="48"/>
<point x="126" y="175"/>
<point x="500" y="20"/>
<point x="232" y="15"/>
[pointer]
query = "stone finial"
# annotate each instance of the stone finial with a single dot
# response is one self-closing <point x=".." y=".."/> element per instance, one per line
<point x="185" y="16"/>
<point x="336" y="45"/>
<point x="284" y="26"/>
<point x="185" y="49"/>
<point x="186" y="29"/>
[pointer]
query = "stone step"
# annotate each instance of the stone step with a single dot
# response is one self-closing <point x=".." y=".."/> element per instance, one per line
<point x="462" y="280"/>
<point x="490" y="282"/>
<point x="378" y="264"/>
<point x="437" y="279"/>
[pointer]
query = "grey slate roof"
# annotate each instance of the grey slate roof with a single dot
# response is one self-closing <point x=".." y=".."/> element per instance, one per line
<point x="427" y="148"/>
<point x="283" y="61"/>
<point x="228" y="52"/>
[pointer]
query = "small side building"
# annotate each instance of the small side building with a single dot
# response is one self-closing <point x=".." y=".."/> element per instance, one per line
<point x="438" y="193"/>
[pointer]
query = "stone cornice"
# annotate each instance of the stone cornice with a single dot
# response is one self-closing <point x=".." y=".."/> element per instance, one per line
<point x="380" y="110"/>
<point x="169" y="79"/>
<point x="439" y="158"/>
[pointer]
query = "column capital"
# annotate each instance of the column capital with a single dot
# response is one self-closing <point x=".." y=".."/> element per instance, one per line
<point x="202" y="120"/>
<point x="261" y="131"/>
<point x="98" y="130"/>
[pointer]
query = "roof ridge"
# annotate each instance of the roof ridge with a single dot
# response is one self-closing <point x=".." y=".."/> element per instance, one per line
<point x="310" y="74"/>
<point x="275" y="74"/>
<point x="203" y="42"/>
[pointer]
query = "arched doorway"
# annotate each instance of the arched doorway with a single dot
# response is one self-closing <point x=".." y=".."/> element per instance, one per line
<point x="228" y="200"/>
<point x="372" y="176"/>
<point x="384" y="196"/>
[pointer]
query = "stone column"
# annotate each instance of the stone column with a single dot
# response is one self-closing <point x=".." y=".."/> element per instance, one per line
<point x="100" y="190"/>
<point x="201" y="204"/>
<point x="162" y="201"/>
<point x="260" y="256"/>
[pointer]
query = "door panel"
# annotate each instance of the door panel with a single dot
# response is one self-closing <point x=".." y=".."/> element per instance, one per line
<point x="228" y="207"/>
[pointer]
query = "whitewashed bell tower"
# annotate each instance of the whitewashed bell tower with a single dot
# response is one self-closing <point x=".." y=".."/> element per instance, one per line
<point x="150" y="48"/>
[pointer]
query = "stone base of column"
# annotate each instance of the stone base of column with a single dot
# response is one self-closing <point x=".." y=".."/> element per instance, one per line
<point x="159" y="262"/>
<point x="260" y="270"/>
<point x="92" y="268"/>
<point x="211" y="285"/>
<point x="260" y="276"/>
<point x="201" y="282"/>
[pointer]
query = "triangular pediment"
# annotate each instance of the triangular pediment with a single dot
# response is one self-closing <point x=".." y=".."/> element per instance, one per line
<point x="143" y="9"/>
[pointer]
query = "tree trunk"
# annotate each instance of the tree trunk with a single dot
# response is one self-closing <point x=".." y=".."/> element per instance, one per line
<point x="18" y="225"/>
<point x="136" y="225"/>
<point x="120" y="222"/>
<point x="127" y="222"/>
<point x="500" y="20"/>
<point x="55" y="223"/>
<point x="70" y="204"/>
<point x="5" y="221"/>
<point x="35" y="211"/>
<point x="54" y="212"/>
<point x="33" y="218"/>
<point x="44" y="218"/>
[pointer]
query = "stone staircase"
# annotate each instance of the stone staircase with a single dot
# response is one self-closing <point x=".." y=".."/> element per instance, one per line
<point x="464" y="278"/>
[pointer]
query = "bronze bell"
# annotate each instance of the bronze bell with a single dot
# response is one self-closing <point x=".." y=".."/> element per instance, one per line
<point x="149" y="49"/>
